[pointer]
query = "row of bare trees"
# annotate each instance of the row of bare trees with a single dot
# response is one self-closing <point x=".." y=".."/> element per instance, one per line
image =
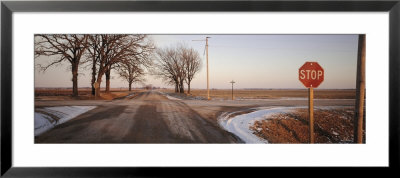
<point x="176" y="65"/>
<point x="127" y="54"/>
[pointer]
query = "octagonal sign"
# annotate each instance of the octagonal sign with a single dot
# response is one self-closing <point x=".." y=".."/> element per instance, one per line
<point x="311" y="74"/>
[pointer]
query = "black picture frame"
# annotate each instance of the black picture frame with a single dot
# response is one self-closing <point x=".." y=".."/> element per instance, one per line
<point x="8" y="7"/>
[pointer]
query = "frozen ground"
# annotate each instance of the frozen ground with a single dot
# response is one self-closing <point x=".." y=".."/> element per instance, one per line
<point x="48" y="117"/>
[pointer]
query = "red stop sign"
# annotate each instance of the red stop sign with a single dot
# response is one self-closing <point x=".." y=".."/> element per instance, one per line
<point x="311" y="74"/>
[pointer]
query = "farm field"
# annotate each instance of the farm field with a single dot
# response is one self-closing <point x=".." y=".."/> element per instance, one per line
<point x="84" y="93"/>
<point x="273" y="93"/>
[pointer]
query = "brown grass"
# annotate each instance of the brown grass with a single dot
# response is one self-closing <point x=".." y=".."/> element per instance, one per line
<point x="331" y="126"/>
<point x="113" y="95"/>
<point x="83" y="94"/>
<point x="275" y="93"/>
<point x="68" y="92"/>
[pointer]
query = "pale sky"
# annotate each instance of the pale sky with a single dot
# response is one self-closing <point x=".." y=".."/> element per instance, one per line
<point x="252" y="61"/>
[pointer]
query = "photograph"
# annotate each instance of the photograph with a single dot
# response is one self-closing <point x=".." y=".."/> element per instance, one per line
<point x="199" y="88"/>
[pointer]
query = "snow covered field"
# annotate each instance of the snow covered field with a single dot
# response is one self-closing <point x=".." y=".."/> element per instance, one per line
<point x="48" y="117"/>
<point x="240" y="124"/>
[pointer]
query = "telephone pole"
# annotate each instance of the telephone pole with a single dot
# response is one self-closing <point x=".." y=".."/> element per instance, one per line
<point x="208" y="83"/>
<point x="232" y="82"/>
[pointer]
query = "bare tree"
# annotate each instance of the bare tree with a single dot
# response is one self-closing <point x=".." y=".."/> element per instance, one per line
<point x="179" y="66"/>
<point x="64" y="48"/>
<point x="164" y="66"/>
<point x="175" y="65"/>
<point x="114" y="49"/>
<point x="131" y="72"/>
<point x="192" y="64"/>
<point x="93" y="57"/>
<point x="132" y="69"/>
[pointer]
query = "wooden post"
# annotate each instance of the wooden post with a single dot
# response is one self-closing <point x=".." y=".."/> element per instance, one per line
<point x="208" y="89"/>
<point x="360" y="91"/>
<point x="311" y="112"/>
<point x="232" y="91"/>
<point x="232" y="82"/>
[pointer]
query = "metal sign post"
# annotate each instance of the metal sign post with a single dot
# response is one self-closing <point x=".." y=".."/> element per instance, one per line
<point x="311" y="74"/>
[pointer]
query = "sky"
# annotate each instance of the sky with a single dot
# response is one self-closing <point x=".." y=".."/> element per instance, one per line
<point x="252" y="61"/>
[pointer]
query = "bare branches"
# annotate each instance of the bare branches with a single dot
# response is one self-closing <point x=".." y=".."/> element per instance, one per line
<point x="132" y="72"/>
<point x="192" y="64"/>
<point x="176" y="64"/>
<point x="126" y="53"/>
<point x="113" y="51"/>
<point x="65" y="47"/>
<point x="60" y="48"/>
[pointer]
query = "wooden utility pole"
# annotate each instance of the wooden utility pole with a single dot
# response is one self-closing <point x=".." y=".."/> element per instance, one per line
<point x="208" y="88"/>
<point x="311" y="112"/>
<point x="208" y="83"/>
<point x="232" y="82"/>
<point x="360" y="91"/>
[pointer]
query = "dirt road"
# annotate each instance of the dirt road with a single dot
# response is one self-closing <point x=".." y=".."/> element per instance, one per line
<point x="149" y="117"/>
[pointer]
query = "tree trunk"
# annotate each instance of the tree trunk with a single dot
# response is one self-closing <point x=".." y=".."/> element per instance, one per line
<point x="176" y="87"/>
<point x="108" y="76"/>
<point x="74" y="80"/>
<point x="93" y="77"/>
<point x="182" y="87"/>
<point x="98" y="88"/>
<point x="130" y="86"/>
<point x="189" y="87"/>
<point x="99" y="79"/>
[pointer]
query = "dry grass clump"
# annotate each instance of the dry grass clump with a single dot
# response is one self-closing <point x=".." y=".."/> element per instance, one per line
<point x="331" y="126"/>
<point x="113" y="95"/>
<point x="60" y="92"/>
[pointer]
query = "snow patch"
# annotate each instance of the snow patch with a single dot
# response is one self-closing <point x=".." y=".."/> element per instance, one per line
<point x="335" y="133"/>
<point x="131" y="94"/>
<point x="172" y="98"/>
<point x="166" y="95"/>
<point x="48" y="117"/>
<point x="240" y="124"/>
